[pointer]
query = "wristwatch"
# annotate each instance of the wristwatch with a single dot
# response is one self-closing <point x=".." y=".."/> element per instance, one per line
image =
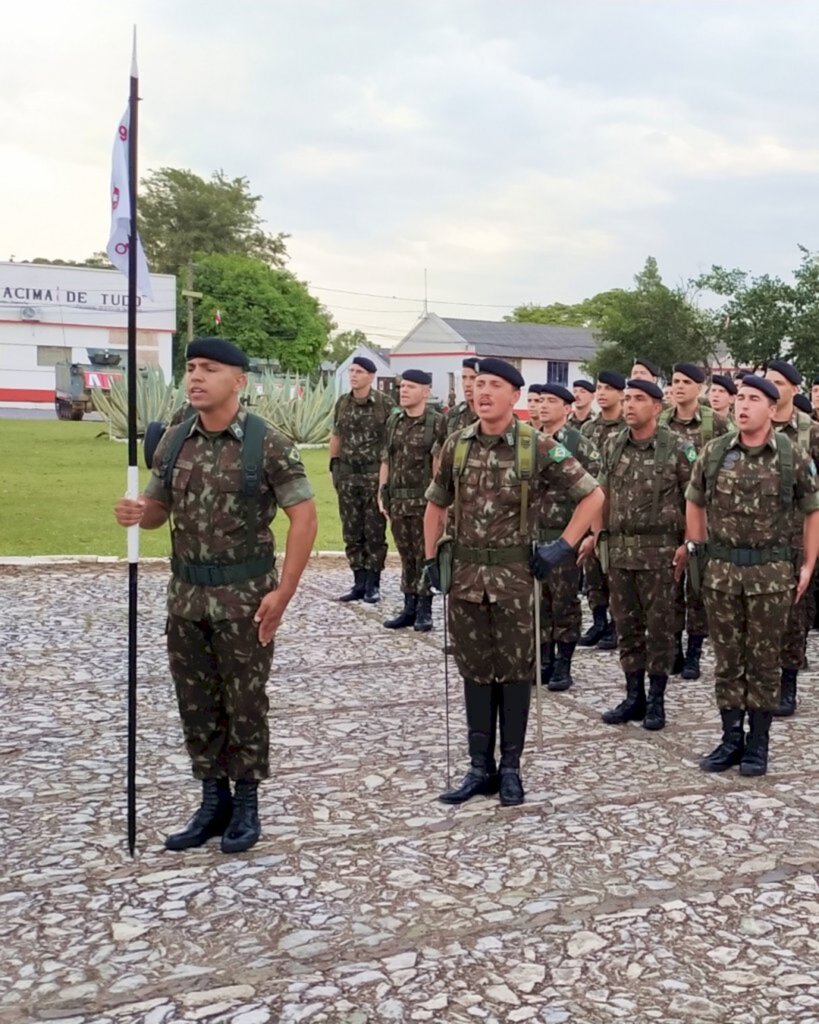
<point x="692" y="547"/>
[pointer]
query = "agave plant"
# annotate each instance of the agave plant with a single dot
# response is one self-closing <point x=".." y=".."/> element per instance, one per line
<point x="302" y="411"/>
<point x="156" y="400"/>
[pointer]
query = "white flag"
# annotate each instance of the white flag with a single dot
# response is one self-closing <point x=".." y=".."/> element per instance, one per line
<point x="117" y="247"/>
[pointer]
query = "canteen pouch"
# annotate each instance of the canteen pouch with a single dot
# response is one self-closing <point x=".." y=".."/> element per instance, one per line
<point x="444" y="556"/>
<point x="696" y="568"/>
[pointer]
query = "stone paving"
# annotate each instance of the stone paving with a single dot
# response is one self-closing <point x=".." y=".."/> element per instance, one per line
<point x="629" y="887"/>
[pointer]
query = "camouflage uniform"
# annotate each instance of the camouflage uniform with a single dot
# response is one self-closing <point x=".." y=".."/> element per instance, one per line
<point x="577" y="424"/>
<point x="218" y="666"/>
<point x="361" y="426"/>
<point x="642" y="547"/>
<point x="409" y="458"/>
<point x="747" y="604"/>
<point x="458" y="417"/>
<point x="598" y="431"/>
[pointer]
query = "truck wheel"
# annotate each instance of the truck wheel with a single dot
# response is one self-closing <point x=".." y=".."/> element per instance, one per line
<point x="75" y="414"/>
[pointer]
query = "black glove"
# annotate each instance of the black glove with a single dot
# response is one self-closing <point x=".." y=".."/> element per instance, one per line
<point x="546" y="556"/>
<point x="432" y="575"/>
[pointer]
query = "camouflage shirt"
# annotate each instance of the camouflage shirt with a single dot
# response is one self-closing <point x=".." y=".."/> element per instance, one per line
<point x="408" y="453"/>
<point x="361" y="425"/>
<point x="808" y="440"/>
<point x="458" y="417"/>
<point x="637" y="538"/>
<point x="599" y="430"/>
<point x="490" y="501"/>
<point x="208" y="523"/>
<point x="745" y="511"/>
<point x="557" y="509"/>
<point x="573" y="421"/>
<point x="696" y="430"/>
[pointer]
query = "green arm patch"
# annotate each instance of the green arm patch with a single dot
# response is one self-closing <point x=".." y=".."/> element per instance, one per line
<point x="691" y="453"/>
<point x="293" y="457"/>
<point x="558" y="453"/>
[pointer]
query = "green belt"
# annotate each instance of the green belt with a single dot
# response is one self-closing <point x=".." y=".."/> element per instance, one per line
<point x="491" y="556"/>
<point x="645" y="540"/>
<point x="204" y="575"/>
<point x="545" y="536"/>
<point x="348" y="468"/>
<point x="407" y="492"/>
<point x="749" y="556"/>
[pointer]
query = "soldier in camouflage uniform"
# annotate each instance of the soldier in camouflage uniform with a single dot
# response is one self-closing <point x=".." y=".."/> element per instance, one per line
<point x="406" y="471"/>
<point x="225" y="601"/>
<point x="721" y="396"/>
<point x="644" y="369"/>
<point x="803" y="432"/>
<point x="560" y="615"/>
<point x="356" y="443"/>
<point x="644" y="475"/>
<point x="582" y="412"/>
<point x="698" y="424"/>
<point x="610" y="387"/>
<point x="533" y="404"/>
<point x="745" y="495"/>
<point x="490" y="602"/>
<point x="463" y="414"/>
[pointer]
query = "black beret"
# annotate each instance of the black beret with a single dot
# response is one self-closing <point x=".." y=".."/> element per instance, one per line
<point x="690" y="370"/>
<point x="802" y="403"/>
<point x="648" y="386"/>
<point x="500" y="368"/>
<point x="816" y="380"/>
<point x="767" y="387"/>
<point x="364" y="363"/>
<point x="470" y="363"/>
<point x="724" y="381"/>
<point x="535" y="389"/>
<point x="560" y="391"/>
<point x="652" y="368"/>
<point x="416" y="376"/>
<point x="583" y="383"/>
<point x="612" y="378"/>
<point x="788" y="370"/>
<point x="220" y="350"/>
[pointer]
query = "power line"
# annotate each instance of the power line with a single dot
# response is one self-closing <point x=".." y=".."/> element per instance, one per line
<point x="415" y="298"/>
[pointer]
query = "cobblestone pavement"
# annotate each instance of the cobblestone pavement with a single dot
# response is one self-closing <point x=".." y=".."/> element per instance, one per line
<point x="630" y="886"/>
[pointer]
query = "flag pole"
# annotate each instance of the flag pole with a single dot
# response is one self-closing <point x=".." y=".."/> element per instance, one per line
<point x="133" y="472"/>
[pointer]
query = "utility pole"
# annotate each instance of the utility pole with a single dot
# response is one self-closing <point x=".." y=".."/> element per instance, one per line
<point x="190" y="295"/>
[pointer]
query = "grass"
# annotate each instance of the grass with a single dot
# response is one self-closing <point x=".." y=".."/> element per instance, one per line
<point x="59" y="481"/>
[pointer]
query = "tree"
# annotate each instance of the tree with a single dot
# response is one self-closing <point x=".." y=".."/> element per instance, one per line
<point x="182" y="216"/>
<point x="587" y="313"/>
<point x="343" y="344"/>
<point x="266" y="311"/>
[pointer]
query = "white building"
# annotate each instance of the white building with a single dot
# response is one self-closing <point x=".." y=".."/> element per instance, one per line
<point x="542" y="352"/>
<point x="384" y="373"/>
<point x="54" y="313"/>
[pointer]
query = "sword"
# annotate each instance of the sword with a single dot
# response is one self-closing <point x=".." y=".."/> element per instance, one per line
<point x="538" y="664"/>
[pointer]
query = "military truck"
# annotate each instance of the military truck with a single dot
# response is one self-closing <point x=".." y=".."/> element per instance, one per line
<point x="74" y="382"/>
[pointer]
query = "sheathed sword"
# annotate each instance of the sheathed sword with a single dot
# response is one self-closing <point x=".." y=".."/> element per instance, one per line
<point x="538" y="658"/>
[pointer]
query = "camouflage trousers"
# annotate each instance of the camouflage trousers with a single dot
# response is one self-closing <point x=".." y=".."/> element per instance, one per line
<point x="689" y="610"/>
<point x="363" y="527"/>
<point x="597" y="584"/>
<point x="493" y="642"/>
<point x="408" y="532"/>
<point x="744" y="628"/>
<point x="642" y="606"/>
<point x="560" y="614"/>
<point x="220" y="671"/>
<point x="795" y="636"/>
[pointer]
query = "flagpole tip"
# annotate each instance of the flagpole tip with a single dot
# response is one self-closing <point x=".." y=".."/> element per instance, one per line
<point x="134" y="72"/>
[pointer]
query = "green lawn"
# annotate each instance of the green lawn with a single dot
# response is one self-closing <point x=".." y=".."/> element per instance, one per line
<point x="59" y="481"/>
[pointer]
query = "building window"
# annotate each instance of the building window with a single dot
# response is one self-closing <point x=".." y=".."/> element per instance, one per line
<point x="50" y="355"/>
<point x="557" y="372"/>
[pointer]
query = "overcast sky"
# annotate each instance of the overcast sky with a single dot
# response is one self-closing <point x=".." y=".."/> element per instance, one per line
<point x="520" y="150"/>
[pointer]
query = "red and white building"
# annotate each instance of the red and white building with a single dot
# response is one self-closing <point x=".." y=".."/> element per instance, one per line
<point x="53" y="313"/>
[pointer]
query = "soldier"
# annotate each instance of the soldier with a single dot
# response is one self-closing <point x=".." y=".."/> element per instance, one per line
<point x="602" y="633"/>
<point x="497" y="475"/>
<point x="533" y="404"/>
<point x="560" y="615"/>
<point x="744" y="494"/>
<point x="462" y="414"/>
<point x="645" y="471"/>
<point x="804" y="433"/>
<point x="406" y="471"/>
<point x="814" y="396"/>
<point x="221" y="477"/>
<point x="582" y="411"/>
<point x="644" y="369"/>
<point x="721" y="395"/>
<point x="356" y="443"/>
<point x="698" y="424"/>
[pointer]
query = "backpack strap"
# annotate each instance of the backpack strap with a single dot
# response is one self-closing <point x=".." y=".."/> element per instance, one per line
<point x="252" y="459"/>
<point x="803" y="427"/>
<point x="571" y="439"/>
<point x="784" y="452"/>
<point x="662" y="446"/>
<point x="462" y="446"/>
<point x="177" y="438"/>
<point x="617" y="449"/>
<point x="665" y="415"/>
<point x="524" y="463"/>
<point x="706" y="425"/>
<point x="713" y="463"/>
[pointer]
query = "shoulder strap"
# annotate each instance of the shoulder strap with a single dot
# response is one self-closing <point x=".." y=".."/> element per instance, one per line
<point x="458" y="465"/>
<point x="784" y="452"/>
<point x="573" y="439"/>
<point x="803" y="425"/>
<point x="662" y="446"/>
<point x="175" y="442"/>
<point x="713" y="463"/>
<point x="429" y="428"/>
<point x="665" y="415"/>
<point x="619" y="446"/>
<point x="524" y="462"/>
<point x="707" y="425"/>
<point x="252" y="458"/>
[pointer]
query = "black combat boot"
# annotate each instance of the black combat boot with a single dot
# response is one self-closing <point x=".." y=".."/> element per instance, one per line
<point x="655" y="704"/>
<point x="679" y="656"/>
<point x="562" y="674"/>
<point x="356" y="593"/>
<point x="755" y="758"/>
<point x="730" y="751"/>
<point x="596" y="630"/>
<point x="481" y="701"/>
<point x="547" y="662"/>
<point x="608" y="641"/>
<point x="372" y="587"/>
<point x="514" y="714"/>
<point x="691" y="665"/>
<point x="633" y="708"/>
<point x="406" y="617"/>
<point x="210" y="820"/>
<point x="787" y="691"/>
<point x="423" y="617"/>
<point x="244" y="828"/>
